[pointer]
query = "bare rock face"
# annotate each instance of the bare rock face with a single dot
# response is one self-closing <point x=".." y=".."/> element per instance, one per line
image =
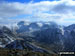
<point x="6" y="36"/>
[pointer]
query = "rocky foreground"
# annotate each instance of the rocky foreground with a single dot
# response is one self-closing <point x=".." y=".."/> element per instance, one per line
<point x="18" y="52"/>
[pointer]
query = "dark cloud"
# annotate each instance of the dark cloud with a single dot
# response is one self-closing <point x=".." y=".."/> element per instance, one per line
<point x="63" y="8"/>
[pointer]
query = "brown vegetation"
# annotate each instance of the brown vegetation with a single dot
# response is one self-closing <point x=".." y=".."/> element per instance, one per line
<point x="17" y="52"/>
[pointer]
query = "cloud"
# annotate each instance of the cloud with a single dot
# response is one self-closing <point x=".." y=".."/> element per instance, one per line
<point x="64" y="8"/>
<point x="13" y="9"/>
<point x="44" y="11"/>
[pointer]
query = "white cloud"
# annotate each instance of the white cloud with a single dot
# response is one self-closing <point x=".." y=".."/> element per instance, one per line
<point x="44" y="10"/>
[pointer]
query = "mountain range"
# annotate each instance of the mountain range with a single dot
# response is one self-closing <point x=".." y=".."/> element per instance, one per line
<point x="38" y="36"/>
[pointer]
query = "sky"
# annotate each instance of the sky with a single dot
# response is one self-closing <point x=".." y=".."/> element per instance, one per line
<point x="59" y="11"/>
